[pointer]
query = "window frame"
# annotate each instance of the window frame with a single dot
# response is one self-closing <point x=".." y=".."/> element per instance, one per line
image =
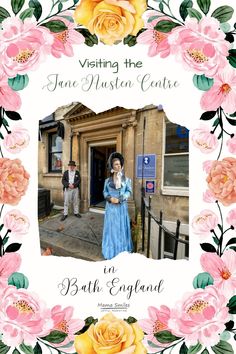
<point x="50" y="153"/>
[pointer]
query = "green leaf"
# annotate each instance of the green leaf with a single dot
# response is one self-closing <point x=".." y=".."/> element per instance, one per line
<point x="233" y="115"/>
<point x="19" y="280"/>
<point x="232" y="305"/>
<point x="231" y="121"/>
<point x="1" y="136"/>
<point x="223" y="13"/>
<point x="183" y="9"/>
<point x="207" y="247"/>
<point x="3" y="348"/>
<point x="75" y="1"/>
<point x="55" y="26"/>
<point x="225" y="336"/>
<point x="229" y="37"/>
<point x="194" y="348"/>
<point x="13" y="115"/>
<point x="152" y="18"/>
<point x="130" y="40"/>
<point x="208" y="115"/>
<point x="205" y="351"/>
<point x="60" y="6"/>
<point x="19" y="82"/>
<point x="27" y="349"/>
<point x="216" y="240"/>
<point x="202" y="82"/>
<point x="152" y="345"/>
<point x="225" y="27"/>
<point x="232" y="241"/>
<point x="165" y="26"/>
<point x="1" y="227"/>
<point x="232" y="57"/>
<point x="13" y="247"/>
<point x="165" y="337"/>
<point x="194" y="13"/>
<point x="37" y="349"/>
<point x="17" y="5"/>
<point x="183" y="349"/>
<point x="3" y="14"/>
<point x="55" y="337"/>
<point x="90" y="39"/>
<point x="35" y="4"/>
<point x="204" y="5"/>
<point x="161" y="7"/>
<point x="15" y="351"/>
<point x="26" y="13"/>
<point x="130" y="320"/>
<point x="233" y="248"/>
<point x="223" y="348"/>
<point x="202" y="280"/>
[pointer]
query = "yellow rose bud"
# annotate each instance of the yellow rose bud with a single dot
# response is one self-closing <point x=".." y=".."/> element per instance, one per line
<point x="111" y="20"/>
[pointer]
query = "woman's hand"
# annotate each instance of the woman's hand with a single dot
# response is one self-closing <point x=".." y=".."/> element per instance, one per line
<point x="114" y="200"/>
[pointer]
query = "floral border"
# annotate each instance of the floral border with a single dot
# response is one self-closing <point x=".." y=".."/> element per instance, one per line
<point x="203" y="321"/>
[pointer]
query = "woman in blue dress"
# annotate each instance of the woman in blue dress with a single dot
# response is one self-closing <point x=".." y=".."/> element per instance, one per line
<point x="117" y="190"/>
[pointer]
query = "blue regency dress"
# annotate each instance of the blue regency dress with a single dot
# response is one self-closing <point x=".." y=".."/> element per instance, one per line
<point x="116" y="230"/>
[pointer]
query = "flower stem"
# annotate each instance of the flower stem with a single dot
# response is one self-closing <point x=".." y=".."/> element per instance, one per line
<point x="171" y="346"/>
<point x="1" y="210"/>
<point x="164" y="13"/>
<point x="222" y="233"/>
<point x="1" y="152"/>
<point x="6" y="235"/>
<point x="72" y="7"/>
<point x="50" y="346"/>
<point x="219" y="112"/>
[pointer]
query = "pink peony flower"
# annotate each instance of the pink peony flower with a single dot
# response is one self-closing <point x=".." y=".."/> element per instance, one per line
<point x="23" y="317"/>
<point x="14" y="181"/>
<point x="157" y="41"/>
<point x="222" y="270"/>
<point x="17" y="140"/>
<point x="63" y="322"/>
<point x="16" y="222"/>
<point x="9" y="263"/>
<point x="222" y="180"/>
<point x="200" y="316"/>
<point x="231" y="218"/>
<point x="200" y="46"/>
<point x="222" y="93"/>
<point x="9" y="99"/>
<point x="203" y="223"/>
<point x="23" y="45"/>
<point x="231" y="144"/>
<point x="63" y="41"/>
<point x="207" y="165"/>
<point x="204" y="140"/>
<point x="157" y="322"/>
<point x="208" y="197"/>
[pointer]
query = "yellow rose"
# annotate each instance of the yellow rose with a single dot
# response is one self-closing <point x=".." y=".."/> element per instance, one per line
<point x="111" y="335"/>
<point x="111" y="20"/>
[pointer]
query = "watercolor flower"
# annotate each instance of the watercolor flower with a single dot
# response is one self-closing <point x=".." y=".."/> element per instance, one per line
<point x="222" y="93"/>
<point x="64" y="41"/>
<point x="23" y="45"/>
<point x="207" y="165"/>
<point x="231" y="218"/>
<point x="63" y="322"/>
<point x="204" y="139"/>
<point x="9" y="263"/>
<point x="222" y="269"/>
<point x="111" y="20"/>
<point x="23" y="317"/>
<point x="17" y="140"/>
<point x="200" y="316"/>
<point x="204" y="222"/>
<point x="10" y="100"/>
<point x="222" y="180"/>
<point x="200" y="46"/>
<point x="157" y="41"/>
<point x="111" y="335"/>
<point x="16" y="222"/>
<point x="231" y="144"/>
<point x="14" y="181"/>
<point x="208" y="197"/>
<point x="157" y="322"/>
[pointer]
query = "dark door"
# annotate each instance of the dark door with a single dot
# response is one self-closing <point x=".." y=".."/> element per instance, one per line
<point x="98" y="161"/>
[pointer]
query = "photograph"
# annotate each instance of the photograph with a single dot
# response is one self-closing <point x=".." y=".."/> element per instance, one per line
<point x="113" y="182"/>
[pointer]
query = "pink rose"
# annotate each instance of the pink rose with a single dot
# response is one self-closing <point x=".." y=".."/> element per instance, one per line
<point x="200" y="317"/>
<point x="14" y="181"/>
<point x="222" y="93"/>
<point x="204" y="140"/>
<point x="231" y="218"/>
<point x="23" y="317"/>
<point x="157" y="322"/>
<point x="222" y="269"/>
<point x="157" y="41"/>
<point x="17" y="140"/>
<point x="63" y="322"/>
<point x="203" y="223"/>
<point x="9" y="99"/>
<point x="222" y="180"/>
<point x="9" y="263"/>
<point x="207" y="165"/>
<point x="64" y="41"/>
<point x="16" y="222"/>
<point x="23" y="45"/>
<point x="200" y="46"/>
<point x="231" y="144"/>
<point x="208" y="197"/>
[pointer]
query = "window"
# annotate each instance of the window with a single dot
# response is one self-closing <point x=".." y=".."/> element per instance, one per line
<point x="176" y="157"/>
<point x="55" y="153"/>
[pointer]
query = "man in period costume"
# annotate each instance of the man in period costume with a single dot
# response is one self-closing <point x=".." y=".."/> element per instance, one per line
<point x="71" y="185"/>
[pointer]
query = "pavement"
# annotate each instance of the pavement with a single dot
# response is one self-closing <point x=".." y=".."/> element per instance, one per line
<point x="73" y="237"/>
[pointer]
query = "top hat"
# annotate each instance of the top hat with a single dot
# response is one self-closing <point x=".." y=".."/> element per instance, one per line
<point x="71" y="163"/>
<point x="115" y="155"/>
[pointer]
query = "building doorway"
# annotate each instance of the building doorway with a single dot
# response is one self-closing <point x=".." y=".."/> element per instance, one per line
<point x="98" y="172"/>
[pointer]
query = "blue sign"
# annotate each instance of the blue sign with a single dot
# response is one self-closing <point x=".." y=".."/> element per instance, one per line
<point x="150" y="187"/>
<point x="146" y="166"/>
